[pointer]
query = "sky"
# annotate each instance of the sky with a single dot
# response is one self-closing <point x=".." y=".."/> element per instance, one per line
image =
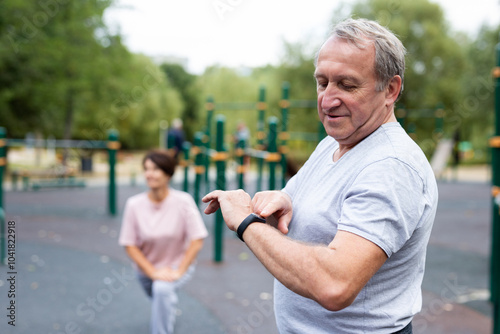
<point x="244" y="33"/>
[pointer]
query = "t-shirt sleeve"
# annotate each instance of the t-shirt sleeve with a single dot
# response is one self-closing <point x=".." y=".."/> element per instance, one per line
<point x="128" y="232"/>
<point x="195" y="227"/>
<point x="384" y="204"/>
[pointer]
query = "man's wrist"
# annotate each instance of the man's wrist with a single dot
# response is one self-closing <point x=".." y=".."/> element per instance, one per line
<point x="251" y="218"/>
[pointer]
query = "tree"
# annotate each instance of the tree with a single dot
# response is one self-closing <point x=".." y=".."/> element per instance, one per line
<point x="134" y="102"/>
<point x="297" y="67"/>
<point x="475" y="109"/>
<point x="63" y="74"/>
<point x="185" y="83"/>
<point x="230" y="85"/>
<point x="49" y="59"/>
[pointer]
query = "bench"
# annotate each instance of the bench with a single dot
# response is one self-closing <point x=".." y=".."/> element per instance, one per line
<point x="60" y="177"/>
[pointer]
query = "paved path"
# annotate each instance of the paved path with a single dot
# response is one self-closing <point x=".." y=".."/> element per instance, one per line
<point x="72" y="277"/>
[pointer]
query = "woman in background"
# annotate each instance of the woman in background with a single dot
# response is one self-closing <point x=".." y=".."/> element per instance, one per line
<point x="162" y="232"/>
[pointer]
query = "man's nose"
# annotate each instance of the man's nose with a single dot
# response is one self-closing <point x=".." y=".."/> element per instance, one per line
<point x="330" y="98"/>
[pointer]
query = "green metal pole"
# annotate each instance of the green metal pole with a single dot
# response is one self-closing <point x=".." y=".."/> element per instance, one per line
<point x="321" y="132"/>
<point x="439" y="121"/>
<point x="240" y="154"/>
<point x="186" y="147"/>
<point x="495" y="224"/>
<point x="15" y="177"/>
<point x="285" y="104"/>
<point x="401" y="115"/>
<point x="412" y="130"/>
<point x="113" y="146"/>
<point x="273" y="157"/>
<point x="261" y="107"/>
<point x="496" y="318"/>
<point x="495" y="164"/>
<point x="26" y="181"/>
<point x="220" y="159"/>
<point x="3" y="160"/>
<point x="207" y="139"/>
<point x="199" y="167"/>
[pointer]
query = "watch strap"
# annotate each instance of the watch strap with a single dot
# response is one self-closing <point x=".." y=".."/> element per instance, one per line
<point x="251" y="218"/>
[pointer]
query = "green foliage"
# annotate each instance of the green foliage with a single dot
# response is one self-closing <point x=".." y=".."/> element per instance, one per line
<point x="47" y="61"/>
<point x="230" y="85"/>
<point x="434" y="64"/>
<point x="136" y="101"/>
<point x="227" y="85"/>
<point x="63" y="73"/>
<point x="297" y="68"/>
<point x="475" y="108"/>
<point x="185" y="84"/>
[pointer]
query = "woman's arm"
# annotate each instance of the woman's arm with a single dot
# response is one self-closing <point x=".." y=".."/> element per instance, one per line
<point x="171" y="274"/>
<point x="138" y="257"/>
<point x="165" y="274"/>
<point x="190" y="255"/>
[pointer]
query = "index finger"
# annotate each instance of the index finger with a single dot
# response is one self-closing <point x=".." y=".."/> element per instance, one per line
<point x="264" y="207"/>
<point x="211" y="196"/>
<point x="259" y="201"/>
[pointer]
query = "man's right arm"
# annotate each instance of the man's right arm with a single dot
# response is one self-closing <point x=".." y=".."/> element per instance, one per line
<point x="331" y="275"/>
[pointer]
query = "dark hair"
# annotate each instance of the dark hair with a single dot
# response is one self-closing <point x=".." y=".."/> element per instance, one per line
<point x="163" y="159"/>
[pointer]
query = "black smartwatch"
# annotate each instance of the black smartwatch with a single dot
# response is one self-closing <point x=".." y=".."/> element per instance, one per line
<point x="251" y="218"/>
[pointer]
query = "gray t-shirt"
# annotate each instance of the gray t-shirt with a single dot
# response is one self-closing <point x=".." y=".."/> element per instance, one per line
<point x="383" y="190"/>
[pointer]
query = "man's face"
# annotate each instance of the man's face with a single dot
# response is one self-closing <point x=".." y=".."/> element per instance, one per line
<point x="349" y="106"/>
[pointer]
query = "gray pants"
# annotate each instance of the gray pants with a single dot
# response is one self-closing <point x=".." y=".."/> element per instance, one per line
<point x="164" y="299"/>
<point x="407" y="330"/>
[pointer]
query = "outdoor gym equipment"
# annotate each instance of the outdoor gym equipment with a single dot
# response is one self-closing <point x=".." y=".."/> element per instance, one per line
<point x="63" y="178"/>
<point x="112" y="146"/>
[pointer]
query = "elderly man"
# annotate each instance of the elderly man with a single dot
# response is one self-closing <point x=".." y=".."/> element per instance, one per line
<point x="358" y="215"/>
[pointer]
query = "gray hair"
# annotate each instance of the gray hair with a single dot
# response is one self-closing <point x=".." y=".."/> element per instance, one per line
<point x="389" y="51"/>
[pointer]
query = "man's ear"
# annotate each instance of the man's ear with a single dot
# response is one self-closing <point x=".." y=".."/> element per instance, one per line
<point x="392" y="90"/>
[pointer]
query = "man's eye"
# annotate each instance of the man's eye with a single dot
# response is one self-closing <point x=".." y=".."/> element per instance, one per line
<point x="347" y="86"/>
<point x="321" y="84"/>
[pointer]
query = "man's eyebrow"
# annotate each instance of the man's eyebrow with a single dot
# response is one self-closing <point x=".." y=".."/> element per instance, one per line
<point x="318" y="75"/>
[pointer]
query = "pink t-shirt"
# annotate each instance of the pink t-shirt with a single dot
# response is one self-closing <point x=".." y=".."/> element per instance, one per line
<point x="162" y="231"/>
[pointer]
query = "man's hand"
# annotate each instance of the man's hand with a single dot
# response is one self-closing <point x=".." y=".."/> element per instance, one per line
<point x="235" y="205"/>
<point x="276" y="203"/>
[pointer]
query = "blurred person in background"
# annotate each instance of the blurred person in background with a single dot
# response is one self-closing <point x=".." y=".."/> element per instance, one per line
<point x="162" y="232"/>
<point x="176" y="137"/>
